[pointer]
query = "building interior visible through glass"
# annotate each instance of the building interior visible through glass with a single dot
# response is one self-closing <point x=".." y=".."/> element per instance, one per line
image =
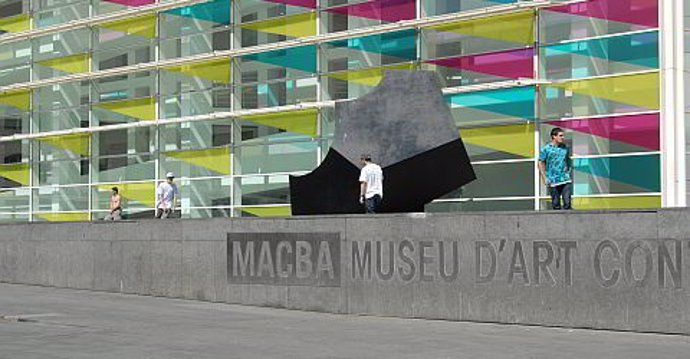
<point x="235" y="95"/>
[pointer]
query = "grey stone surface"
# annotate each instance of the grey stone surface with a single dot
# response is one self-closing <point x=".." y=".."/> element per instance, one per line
<point x="610" y="270"/>
<point x="417" y="119"/>
<point x="39" y="322"/>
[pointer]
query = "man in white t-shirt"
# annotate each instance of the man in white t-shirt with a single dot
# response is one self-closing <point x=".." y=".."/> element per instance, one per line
<point x="370" y="185"/>
<point x="166" y="195"/>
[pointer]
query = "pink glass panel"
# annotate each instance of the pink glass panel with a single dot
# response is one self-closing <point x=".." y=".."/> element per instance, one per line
<point x="387" y="10"/>
<point x="640" y="12"/>
<point x="638" y="130"/>
<point x="509" y="64"/>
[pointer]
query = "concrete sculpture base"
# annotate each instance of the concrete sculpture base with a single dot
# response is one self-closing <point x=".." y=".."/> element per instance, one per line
<point x="610" y="270"/>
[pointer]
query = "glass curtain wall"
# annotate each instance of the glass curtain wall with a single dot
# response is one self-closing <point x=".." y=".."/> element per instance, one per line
<point x="212" y="91"/>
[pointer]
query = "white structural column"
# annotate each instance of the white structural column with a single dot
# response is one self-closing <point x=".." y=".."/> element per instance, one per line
<point x="672" y="104"/>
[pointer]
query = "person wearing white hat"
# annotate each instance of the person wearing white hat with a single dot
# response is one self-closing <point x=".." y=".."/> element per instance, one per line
<point x="166" y="195"/>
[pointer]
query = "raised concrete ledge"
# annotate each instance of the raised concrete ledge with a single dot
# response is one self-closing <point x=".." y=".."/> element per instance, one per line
<point x="623" y="270"/>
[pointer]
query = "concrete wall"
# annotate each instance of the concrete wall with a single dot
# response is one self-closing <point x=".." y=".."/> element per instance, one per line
<point x="615" y="270"/>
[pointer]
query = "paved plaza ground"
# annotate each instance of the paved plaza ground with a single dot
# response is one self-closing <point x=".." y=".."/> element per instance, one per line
<point x="39" y="322"/>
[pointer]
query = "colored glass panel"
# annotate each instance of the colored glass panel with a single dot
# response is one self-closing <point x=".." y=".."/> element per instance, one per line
<point x="70" y="64"/>
<point x="216" y="70"/>
<point x="215" y="11"/>
<point x="304" y="121"/>
<point x="401" y="44"/>
<point x="493" y="105"/>
<point x="142" y="25"/>
<point x="632" y="133"/>
<point x="594" y="57"/>
<point x="141" y="109"/>
<point x="512" y="64"/>
<point x="633" y="173"/>
<point x="214" y="159"/>
<point x="302" y="58"/>
<point x="17" y="99"/>
<point x="632" y="202"/>
<point x="641" y="12"/>
<point x="499" y="142"/>
<point x="387" y="10"/>
<point x="638" y="90"/>
<point x="273" y="211"/>
<point x="518" y="27"/>
<point x="16" y="23"/>
<point x="18" y="172"/>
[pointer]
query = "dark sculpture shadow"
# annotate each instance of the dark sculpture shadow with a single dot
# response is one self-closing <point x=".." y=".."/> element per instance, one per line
<point x="406" y="125"/>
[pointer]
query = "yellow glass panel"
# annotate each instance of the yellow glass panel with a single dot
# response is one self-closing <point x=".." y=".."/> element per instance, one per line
<point x="142" y="192"/>
<point x="303" y="121"/>
<point x="65" y="217"/>
<point x="141" y="108"/>
<point x="214" y="159"/>
<point x="142" y="25"/>
<point x="16" y="23"/>
<point x="517" y="27"/>
<point x="639" y="90"/>
<point x="17" y="172"/>
<point x="631" y="202"/>
<point x="19" y="99"/>
<point x="369" y="77"/>
<point x="216" y="70"/>
<point x="72" y="64"/>
<point x="278" y="211"/>
<point x="516" y="139"/>
<point x="78" y="143"/>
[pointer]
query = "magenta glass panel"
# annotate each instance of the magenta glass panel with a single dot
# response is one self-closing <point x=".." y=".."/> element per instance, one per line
<point x="387" y="10"/>
<point x="512" y="64"/>
<point x="638" y="130"/>
<point x="640" y="12"/>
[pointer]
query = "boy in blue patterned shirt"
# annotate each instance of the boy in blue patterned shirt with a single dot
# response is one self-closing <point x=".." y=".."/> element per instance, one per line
<point x="555" y="167"/>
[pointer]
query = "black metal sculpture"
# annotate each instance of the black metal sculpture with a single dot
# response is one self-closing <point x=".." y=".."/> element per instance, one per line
<point x="406" y="126"/>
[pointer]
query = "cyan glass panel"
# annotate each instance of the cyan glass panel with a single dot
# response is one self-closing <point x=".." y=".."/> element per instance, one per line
<point x="493" y="106"/>
<point x="623" y="174"/>
<point x="595" y="57"/>
<point x="213" y="13"/>
<point x="362" y="52"/>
